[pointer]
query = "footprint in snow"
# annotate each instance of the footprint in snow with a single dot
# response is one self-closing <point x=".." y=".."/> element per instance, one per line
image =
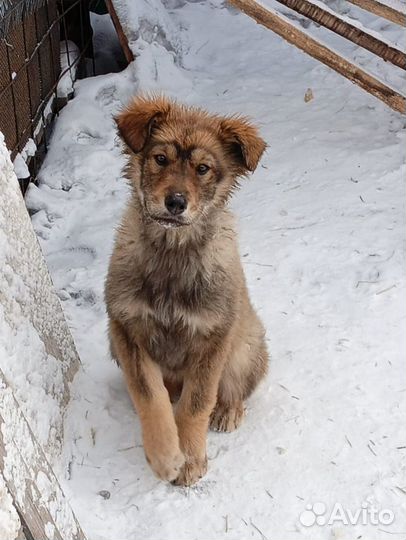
<point x="75" y="257"/>
<point x="107" y="97"/>
<point x="85" y="138"/>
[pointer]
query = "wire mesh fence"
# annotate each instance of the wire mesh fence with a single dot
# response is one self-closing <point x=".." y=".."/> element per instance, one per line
<point x="42" y="47"/>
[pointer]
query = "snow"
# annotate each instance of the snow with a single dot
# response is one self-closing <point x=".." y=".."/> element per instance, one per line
<point x="20" y="161"/>
<point x="20" y="167"/>
<point x="399" y="5"/>
<point x="322" y="234"/>
<point x="391" y="34"/>
<point x="150" y="21"/>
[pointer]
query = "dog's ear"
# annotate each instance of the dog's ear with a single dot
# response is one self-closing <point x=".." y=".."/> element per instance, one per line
<point x="243" y="142"/>
<point x="136" y="122"/>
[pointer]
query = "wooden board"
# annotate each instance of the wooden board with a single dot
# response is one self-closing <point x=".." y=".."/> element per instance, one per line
<point x="34" y="314"/>
<point x="287" y="30"/>
<point x="38" y="360"/>
<point x="36" y="492"/>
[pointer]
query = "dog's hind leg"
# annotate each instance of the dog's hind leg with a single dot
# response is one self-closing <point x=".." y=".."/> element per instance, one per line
<point x="227" y="417"/>
<point x="228" y="413"/>
<point x="244" y="370"/>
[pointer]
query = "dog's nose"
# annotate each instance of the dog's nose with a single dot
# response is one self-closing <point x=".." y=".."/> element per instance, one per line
<point x="175" y="203"/>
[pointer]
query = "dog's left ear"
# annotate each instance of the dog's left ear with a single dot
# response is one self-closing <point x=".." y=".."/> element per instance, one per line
<point x="136" y="122"/>
<point x="243" y="141"/>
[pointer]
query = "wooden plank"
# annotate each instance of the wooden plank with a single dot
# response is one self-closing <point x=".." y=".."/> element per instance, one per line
<point x="382" y="10"/>
<point x="11" y="526"/>
<point x="29" y="478"/>
<point x="288" y="31"/>
<point x="121" y="36"/>
<point x="40" y="316"/>
<point x="335" y="23"/>
<point x="35" y="340"/>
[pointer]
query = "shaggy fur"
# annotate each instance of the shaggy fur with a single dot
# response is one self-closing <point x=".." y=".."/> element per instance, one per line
<point x="180" y="319"/>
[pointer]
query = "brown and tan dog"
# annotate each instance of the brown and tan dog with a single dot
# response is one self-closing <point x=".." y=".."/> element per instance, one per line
<point x="179" y="312"/>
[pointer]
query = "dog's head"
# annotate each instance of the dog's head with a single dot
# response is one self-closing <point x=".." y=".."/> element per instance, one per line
<point x="186" y="161"/>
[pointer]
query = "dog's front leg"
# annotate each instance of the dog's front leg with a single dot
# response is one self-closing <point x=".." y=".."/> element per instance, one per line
<point x="193" y="412"/>
<point x="151" y="399"/>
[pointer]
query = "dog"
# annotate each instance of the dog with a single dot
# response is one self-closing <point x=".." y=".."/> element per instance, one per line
<point x="180" y="318"/>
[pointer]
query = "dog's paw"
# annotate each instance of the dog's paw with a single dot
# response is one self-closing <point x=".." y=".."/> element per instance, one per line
<point x="227" y="417"/>
<point x="192" y="471"/>
<point x="166" y="466"/>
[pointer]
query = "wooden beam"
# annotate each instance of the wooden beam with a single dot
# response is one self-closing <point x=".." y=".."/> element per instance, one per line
<point x="37" y="341"/>
<point x="39" y="308"/>
<point x="288" y="31"/>
<point x="29" y="478"/>
<point x="382" y="10"/>
<point x="335" y="23"/>
<point x="120" y="33"/>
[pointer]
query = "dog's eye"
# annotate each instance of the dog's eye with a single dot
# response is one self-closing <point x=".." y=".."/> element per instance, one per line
<point x="202" y="169"/>
<point x="161" y="159"/>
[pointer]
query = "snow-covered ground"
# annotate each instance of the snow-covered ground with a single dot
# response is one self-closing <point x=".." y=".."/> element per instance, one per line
<point x="322" y="236"/>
